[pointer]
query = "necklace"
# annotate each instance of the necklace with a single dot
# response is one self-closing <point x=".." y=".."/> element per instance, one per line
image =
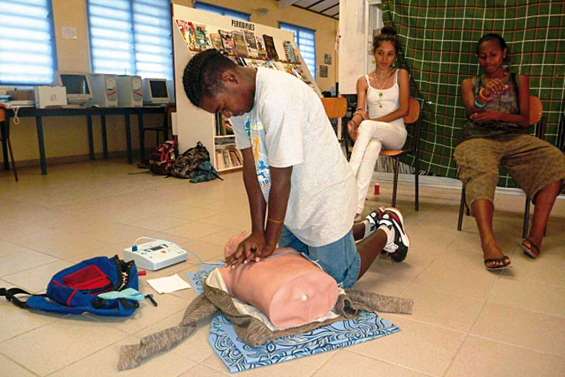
<point x="381" y="83"/>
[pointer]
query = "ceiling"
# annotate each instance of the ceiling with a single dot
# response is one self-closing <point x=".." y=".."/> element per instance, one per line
<point x="329" y="8"/>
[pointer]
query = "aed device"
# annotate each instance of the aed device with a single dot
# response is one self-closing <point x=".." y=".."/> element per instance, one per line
<point x="155" y="254"/>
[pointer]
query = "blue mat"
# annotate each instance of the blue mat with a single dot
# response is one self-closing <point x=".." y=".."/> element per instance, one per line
<point x="238" y="356"/>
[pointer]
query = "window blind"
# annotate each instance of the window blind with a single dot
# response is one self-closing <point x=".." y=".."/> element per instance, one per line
<point x="131" y="37"/>
<point x="222" y="11"/>
<point x="305" y="39"/>
<point x="27" y="49"/>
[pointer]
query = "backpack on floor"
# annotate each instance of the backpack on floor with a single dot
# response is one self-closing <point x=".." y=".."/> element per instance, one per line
<point x="194" y="164"/>
<point x="75" y="289"/>
<point x="163" y="157"/>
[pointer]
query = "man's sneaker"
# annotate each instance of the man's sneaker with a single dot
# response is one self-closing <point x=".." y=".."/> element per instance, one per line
<point x="372" y="221"/>
<point x="392" y="218"/>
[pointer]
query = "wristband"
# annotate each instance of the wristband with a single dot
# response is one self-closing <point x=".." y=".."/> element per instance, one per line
<point x="275" y="221"/>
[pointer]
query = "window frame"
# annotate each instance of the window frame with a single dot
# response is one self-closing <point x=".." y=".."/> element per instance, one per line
<point x="218" y="9"/>
<point x="53" y="43"/>
<point x="133" y="62"/>
<point x="298" y="29"/>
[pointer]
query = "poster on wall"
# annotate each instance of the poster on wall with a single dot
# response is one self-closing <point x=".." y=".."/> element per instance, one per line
<point x="323" y="70"/>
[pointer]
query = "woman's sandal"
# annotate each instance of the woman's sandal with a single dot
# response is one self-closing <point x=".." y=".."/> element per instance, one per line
<point x="530" y="249"/>
<point x="497" y="264"/>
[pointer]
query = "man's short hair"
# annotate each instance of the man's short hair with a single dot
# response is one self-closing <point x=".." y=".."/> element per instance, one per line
<point x="202" y="74"/>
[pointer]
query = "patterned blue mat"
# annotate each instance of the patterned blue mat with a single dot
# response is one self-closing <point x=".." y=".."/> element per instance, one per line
<point x="238" y="356"/>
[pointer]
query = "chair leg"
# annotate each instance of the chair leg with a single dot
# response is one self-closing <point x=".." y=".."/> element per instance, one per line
<point x="395" y="182"/>
<point x="526" y="225"/>
<point x="13" y="161"/>
<point x="416" y="186"/>
<point x="462" y="206"/>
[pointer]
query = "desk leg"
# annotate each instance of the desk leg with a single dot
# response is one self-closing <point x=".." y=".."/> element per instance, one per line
<point x="5" y="130"/>
<point x="104" y="136"/>
<point x="128" y="137"/>
<point x="41" y="142"/>
<point x="141" y="137"/>
<point x="90" y="137"/>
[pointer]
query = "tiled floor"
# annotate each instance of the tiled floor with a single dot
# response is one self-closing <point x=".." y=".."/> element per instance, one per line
<point x="467" y="321"/>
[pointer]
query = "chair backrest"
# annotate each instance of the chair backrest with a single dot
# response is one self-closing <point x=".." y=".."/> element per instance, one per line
<point x="336" y="107"/>
<point x="2" y="113"/>
<point x="413" y="111"/>
<point x="536" y="110"/>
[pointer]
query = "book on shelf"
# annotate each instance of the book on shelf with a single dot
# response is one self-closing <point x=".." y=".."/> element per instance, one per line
<point x="270" y="47"/>
<point x="240" y="44"/>
<point x="202" y="39"/>
<point x="188" y="33"/>
<point x="261" y="52"/>
<point x="220" y="160"/>
<point x="216" y="40"/>
<point x="289" y="52"/>
<point x="227" y="41"/>
<point x="251" y="41"/>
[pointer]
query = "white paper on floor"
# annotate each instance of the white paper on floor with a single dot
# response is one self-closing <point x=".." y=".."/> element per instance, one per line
<point x="168" y="284"/>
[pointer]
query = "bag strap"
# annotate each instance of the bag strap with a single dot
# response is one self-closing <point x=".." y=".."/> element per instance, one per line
<point x="11" y="293"/>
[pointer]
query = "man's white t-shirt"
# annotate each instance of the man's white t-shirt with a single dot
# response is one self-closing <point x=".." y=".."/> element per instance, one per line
<point x="288" y="126"/>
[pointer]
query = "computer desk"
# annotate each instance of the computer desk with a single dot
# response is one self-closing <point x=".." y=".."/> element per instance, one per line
<point x="89" y="112"/>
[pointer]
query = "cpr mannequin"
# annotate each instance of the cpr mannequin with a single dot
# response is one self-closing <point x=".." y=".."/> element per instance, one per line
<point x="288" y="288"/>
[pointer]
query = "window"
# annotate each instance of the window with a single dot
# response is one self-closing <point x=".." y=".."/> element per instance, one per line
<point x="305" y="39"/>
<point x="222" y="11"/>
<point x="27" y="49"/>
<point x="131" y="37"/>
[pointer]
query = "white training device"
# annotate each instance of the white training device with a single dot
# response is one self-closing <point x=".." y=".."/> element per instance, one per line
<point x="155" y="254"/>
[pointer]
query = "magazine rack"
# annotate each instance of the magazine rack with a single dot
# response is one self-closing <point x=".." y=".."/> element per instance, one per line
<point x="248" y="44"/>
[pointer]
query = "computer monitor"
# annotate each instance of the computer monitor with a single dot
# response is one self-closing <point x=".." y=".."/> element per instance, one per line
<point x="155" y="91"/>
<point x="79" y="88"/>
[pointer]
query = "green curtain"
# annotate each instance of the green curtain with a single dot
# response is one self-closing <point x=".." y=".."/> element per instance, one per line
<point x="439" y="41"/>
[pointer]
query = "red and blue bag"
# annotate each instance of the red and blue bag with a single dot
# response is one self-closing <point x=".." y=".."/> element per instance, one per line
<point x="75" y="289"/>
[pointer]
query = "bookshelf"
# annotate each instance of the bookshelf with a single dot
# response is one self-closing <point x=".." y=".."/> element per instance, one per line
<point x="251" y="45"/>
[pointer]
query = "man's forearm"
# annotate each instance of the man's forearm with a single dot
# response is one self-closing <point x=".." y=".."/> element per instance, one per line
<point x="278" y="202"/>
<point x="257" y="204"/>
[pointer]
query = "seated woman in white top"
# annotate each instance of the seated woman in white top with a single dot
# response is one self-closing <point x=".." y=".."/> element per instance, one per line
<point x="382" y="102"/>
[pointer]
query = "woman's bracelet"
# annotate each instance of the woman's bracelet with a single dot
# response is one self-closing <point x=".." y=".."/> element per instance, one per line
<point x="275" y="221"/>
<point x="479" y="104"/>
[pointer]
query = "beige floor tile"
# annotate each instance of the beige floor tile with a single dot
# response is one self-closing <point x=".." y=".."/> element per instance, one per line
<point x="418" y="346"/>
<point x="443" y="309"/>
<point x="96" y="208"/>
<point x="548" y="268"/>
<point x="9" y="368"/>
<point x="203" y="371"/>
<point x="481" y="357"/>
<point x="16" y="321"/>
<point x="194" y="230"/>
<point x="36" y="279"/>
<point x="104" y="363"/>
<point x="15" y="258"/>
<point x="304" y="367"/>
<point x="58" y="344"/>
<point x="458" y="276"/>
<point x="507" y="324"/>
<point x="382" y="284"/>
<point x="529" y="295"/>
<point x="349" y="364"/>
